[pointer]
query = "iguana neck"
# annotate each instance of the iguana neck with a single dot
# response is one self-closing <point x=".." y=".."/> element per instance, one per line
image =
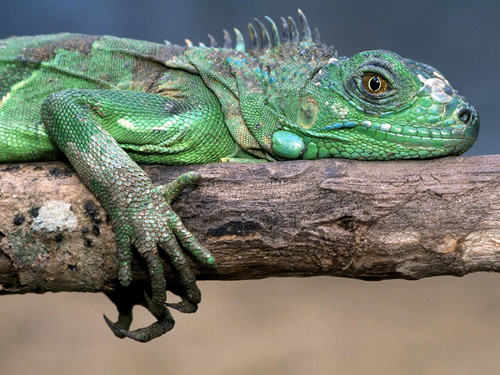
<point x="257" y="93"/>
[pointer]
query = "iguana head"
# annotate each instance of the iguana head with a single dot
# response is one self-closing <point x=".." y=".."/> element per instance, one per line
<point x="377" y="105"/>
<point x="298" y="99"/>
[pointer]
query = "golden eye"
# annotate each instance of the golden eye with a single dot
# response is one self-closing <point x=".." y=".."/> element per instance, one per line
<point x="374" y="83"/>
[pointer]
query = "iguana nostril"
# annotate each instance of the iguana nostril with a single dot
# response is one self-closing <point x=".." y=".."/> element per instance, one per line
<point x="464" y="115"/>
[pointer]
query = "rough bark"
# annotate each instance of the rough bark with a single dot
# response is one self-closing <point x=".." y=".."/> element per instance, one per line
<point x="367" y="220"/>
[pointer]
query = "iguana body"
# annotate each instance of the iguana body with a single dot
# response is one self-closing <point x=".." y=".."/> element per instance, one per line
<point x="106" y="103"/>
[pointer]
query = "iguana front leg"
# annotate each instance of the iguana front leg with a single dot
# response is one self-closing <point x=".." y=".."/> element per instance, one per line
<point x="89" y="126"/>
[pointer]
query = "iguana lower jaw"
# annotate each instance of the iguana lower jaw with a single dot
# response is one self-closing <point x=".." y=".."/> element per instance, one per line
<point x="382" y="140"/>
<point x="385" y="141"/>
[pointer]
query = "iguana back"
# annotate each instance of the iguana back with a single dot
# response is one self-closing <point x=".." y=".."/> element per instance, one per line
<point x="34" y="67"/>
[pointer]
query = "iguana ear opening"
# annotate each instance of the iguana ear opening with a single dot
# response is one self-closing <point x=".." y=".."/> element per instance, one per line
<point x="287" y="144"/>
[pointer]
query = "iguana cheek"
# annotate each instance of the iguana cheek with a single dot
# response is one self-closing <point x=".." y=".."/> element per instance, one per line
<point x="308" y="112"/>
<point x="287" y="145"/>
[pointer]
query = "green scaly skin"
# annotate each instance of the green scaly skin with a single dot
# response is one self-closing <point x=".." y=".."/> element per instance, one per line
<point x="107" y="103"/>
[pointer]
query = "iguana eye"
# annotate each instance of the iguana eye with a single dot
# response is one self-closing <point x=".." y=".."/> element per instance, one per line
<point x="374" y="83"/>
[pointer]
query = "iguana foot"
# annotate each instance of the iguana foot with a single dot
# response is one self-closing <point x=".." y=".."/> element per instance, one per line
<point x="158" y="328"/>
<point x="125" y="299"/>
<point x="151" y="224"/>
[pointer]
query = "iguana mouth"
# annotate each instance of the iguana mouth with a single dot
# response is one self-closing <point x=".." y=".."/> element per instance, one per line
<point x="408" y="133"/>
<point x="429" y="140"/>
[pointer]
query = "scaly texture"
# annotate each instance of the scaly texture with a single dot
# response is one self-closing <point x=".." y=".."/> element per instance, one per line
<point x="107" y="103"/>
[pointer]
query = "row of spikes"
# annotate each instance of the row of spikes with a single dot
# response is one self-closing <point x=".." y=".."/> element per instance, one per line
<point x="289" y="33"/>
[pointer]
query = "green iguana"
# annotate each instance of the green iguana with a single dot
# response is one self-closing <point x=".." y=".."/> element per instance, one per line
<point x="106" y="103"/>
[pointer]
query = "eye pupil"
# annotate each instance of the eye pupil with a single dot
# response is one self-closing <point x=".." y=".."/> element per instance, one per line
<point x="374" y="84"/>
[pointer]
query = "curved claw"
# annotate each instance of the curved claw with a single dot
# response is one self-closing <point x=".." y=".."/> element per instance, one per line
<point x="124" y="299"/>
<point x="156" y="329"/>
<point x="116" y="328"/>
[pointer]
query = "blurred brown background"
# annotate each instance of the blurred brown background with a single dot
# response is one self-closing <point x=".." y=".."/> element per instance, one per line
<point x="320" y="325"/>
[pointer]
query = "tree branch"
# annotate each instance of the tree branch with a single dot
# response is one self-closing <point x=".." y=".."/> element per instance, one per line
<point x="366" y="220"/>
